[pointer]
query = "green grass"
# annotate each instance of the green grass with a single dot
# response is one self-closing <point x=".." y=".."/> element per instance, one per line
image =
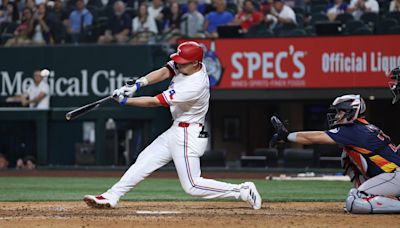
<point x="71" y="189"/>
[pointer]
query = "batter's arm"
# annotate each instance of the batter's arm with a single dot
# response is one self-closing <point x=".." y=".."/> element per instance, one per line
<point x="154" y="77"/>
<point x="310" y="137"/>
<point x="143" y="102"/>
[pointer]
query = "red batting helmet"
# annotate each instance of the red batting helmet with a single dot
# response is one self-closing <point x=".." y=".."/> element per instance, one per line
<point x="187" y="52"/>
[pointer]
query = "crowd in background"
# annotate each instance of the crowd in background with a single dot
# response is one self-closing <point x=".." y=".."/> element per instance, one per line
<point x="39" y="22"/>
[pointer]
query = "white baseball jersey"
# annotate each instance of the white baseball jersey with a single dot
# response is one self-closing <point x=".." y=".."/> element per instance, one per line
<point x="34" y="90"/>
<point x="187" y="95"/>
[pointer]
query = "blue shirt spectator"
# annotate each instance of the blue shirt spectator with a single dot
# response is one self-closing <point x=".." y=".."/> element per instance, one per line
<point x="334" y="8"/>
<point x="79" y="19"/>
<point x="218" y="17"/>
<point x="76" y="18"/>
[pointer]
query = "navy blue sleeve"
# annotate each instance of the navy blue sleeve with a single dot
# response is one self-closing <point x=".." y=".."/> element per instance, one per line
<point x="344" y="135"/>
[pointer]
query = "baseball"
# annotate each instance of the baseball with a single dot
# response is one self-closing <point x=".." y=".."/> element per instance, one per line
<point x="44" y="73"/>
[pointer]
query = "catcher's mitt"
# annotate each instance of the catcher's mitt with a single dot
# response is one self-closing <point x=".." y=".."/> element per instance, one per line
<point x="281" y="131"/>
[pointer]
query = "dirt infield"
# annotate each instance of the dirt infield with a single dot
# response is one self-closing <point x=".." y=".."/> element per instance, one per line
<point x="185" y="214"/>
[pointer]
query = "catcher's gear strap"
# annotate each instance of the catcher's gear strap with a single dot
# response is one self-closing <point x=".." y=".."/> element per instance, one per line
<point x="355" y="166"/>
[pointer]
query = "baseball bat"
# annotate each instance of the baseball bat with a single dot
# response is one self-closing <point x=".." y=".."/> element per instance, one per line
<point x="85" y="109"/>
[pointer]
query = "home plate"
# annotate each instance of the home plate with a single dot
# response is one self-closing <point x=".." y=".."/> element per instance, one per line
<point x="157" y="212"/>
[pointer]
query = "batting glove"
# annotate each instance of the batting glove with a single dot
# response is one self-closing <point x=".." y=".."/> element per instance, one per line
<point x="119" y="97"/>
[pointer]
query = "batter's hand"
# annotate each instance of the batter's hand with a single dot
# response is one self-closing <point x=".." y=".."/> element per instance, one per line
<point x="130" y="88"/>
<point x="119" y="97"/>
<point x="281" y="131"/>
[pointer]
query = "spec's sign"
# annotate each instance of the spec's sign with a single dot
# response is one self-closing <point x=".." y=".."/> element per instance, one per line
<point x="320" y="62"/>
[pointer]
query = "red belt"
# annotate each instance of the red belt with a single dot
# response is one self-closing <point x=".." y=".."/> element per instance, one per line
<point x="184" y="124"/>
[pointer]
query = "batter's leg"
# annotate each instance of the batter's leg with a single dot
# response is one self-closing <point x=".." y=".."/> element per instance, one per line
<point x="150" y="159"/>
<point x="187" y="164"/>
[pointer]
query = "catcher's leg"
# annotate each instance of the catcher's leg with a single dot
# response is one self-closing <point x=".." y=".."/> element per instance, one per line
<point x="377" y="195"/>
<point x="150" y="159"/>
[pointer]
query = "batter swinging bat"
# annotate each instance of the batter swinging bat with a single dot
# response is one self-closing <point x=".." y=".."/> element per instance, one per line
<point x="85" y="109"/>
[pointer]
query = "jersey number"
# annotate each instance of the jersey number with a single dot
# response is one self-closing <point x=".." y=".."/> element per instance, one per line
<point x="382" y="136"/>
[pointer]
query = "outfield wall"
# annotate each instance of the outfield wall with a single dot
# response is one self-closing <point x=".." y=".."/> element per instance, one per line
<point x="81" y="74"/>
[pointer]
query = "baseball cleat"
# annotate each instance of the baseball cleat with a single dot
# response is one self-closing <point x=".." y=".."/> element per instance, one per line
<point x="98" y="202"/>
<point x="249" y="193"/>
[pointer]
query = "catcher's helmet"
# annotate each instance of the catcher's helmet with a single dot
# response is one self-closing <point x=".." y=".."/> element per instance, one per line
<point x="394" y="85"/>
<point x="353" y="107"/>
<point x="188" y="52"/>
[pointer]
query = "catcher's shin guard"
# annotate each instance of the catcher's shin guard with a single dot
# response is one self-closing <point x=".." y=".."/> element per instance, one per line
<point x="359" y="202"/>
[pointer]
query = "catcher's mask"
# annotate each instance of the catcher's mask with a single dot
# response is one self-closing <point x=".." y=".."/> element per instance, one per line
<point x="394" y="84"/>
<point x="345" y="110"/>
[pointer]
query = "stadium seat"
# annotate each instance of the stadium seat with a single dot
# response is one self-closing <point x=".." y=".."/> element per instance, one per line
<point x="350" y="26"/>
<point x="315" y="9"/>
<point x="344" y="18"/>
<point x="298" y="157"/>
<point x="231" y="7"/>
<point x="131" y="12"/>
<point x="271" y="155"/>
<point x="370" y="19"/>
<point x="299" y="11"/>
<point x="385" y="24"/>
<point x="363" y="30"/>
<point x="7" y="31"/>
<point x="253" y="161"/>
<point x="259" y="30"/>
<point x="326" y="156"/>
<point x="394" y="15"/>
<point x="213" y="158"/>
<point x="300" y="20"/>
<point x="395" y="29"/>
<point x="318" y="17"/>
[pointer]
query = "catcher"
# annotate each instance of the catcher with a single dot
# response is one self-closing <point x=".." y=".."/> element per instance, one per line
<point x="369" y="156"/>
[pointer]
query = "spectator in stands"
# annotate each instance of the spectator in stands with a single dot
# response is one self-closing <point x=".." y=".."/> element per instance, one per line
<point x="37" y="96"/>
<point x="119" y="25"/>
<point x="249" y="16"/>
<point x="8" y="12"/>
<point x="59" y="17"/>
<point x="280" y="15"/>
<point x="79" y="21"/>
<point x="172" y="18"/>
<point x="359" y="7"/>
<point x="334" y="8"/>
<point x="31" y="4"/>
<point x="23" y="33"/>
<point x="143" y="26"/>
<point x="217" y="18"/>
<point x="394" y="6"/>
<point x="3" y="162"/>
<point x="41" y="26"/>
<point x="154" y="11"/>
<point x="192" y="21"/>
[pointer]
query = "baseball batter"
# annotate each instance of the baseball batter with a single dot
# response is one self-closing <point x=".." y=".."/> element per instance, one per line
<point x="185" y="141"/>
<point x="369" y="156"/>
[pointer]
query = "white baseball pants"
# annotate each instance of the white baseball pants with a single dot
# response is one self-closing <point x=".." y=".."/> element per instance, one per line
<point x="184" y="147"/>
